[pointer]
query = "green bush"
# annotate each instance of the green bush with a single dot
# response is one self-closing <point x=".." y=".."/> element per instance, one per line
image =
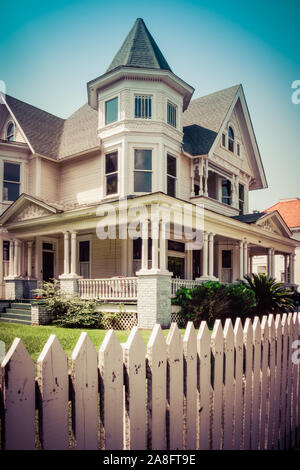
<point x="69" y="312"/>
<point x="212" y="300"/>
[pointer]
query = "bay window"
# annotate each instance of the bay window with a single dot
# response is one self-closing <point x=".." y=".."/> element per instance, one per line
<point x="142" y="171"/>
<point x="171" y="175"/>
<point x="111" y="173"/>
<point x="143" y="106"/>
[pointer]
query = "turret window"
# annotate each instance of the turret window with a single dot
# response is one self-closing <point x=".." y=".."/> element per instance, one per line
<point x="142" y="171"/>
<point x="171" y="175"/>
<point x="171" y="114"/>
<point x="143" y="107"/>
<point x="111" y="111"/>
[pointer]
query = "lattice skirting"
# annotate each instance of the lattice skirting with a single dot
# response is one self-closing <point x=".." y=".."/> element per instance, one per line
<point x="126" y="321"/>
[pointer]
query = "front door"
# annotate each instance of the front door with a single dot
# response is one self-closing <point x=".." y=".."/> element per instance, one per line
<point x="48" y="265"/>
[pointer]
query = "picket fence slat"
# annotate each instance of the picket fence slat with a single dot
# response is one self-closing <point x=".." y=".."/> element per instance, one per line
<point x="52" y="375"/>
<point x="232" y="388"/>
<point x="190" y="357"/>
<point x="217" y="346"/>
<point x="238" y="389"/>
<point x="84" y="378"/>
<point x="175" y="388"/>
<point x="256" y="382"/>
<point x="135" y="391"/>
<point x="111" y="392"/>
<point x="248" y="344"/>
<point x="204" y="387"/>
<point x="157" y="389"/>
<point x="18" y="393"/>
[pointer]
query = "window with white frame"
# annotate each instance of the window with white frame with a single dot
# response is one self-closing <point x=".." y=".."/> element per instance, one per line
<point x="224" y="140"/>
<point x="171" y="175"/>
<point x="238" y="149"/>
<point x="230" y="139"/>
<point x="241" y="198"/>
<point x="84" y="258"/>
<point x="171" y="114"/>
<point x="226" y="191"/>
<point x="111" y="173"/>
<point x="111" y="111"/>
<point x="143" y="106"/>
<point x="11" y="181"/>
<point x="142" y="171"/>
<point x="10" y="132"/>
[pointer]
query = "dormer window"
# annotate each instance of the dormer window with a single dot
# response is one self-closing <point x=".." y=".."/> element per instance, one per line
<point x="10" y="132"/>
<point x="171" y="114"/>
<point x="111" y="111"/>
<point x="230" y="139"/>
<point x="143" y="106"/>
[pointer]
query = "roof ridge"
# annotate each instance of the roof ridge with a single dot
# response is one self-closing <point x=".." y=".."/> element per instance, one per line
<point x="216" y="92"/>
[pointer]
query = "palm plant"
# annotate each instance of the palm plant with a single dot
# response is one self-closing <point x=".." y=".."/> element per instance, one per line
<point x="271" y="296"/>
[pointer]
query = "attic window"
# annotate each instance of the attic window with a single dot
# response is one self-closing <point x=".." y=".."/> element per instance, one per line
<point x="230" y="139"/>
<point x="10" y="132"/>
<point x="142" y="107"/>
<point x="111" y="111"/>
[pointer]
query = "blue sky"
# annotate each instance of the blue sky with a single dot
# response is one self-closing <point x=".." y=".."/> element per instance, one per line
<point x="49" y="50"/>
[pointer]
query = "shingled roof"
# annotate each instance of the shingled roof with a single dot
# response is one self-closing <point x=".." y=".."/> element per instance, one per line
<point x="43" y="130"/>
<point x="203" y="119"/>
<point x="139" y="50"/>
<point x="289" y="209"/>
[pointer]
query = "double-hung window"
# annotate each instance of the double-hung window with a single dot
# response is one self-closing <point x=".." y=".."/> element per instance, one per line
<point x="142" y="171"/>
<point x="226" y="191"/>
<point x="84" y="258"/>
<point x="11" y="181"/>
<point x="241" y="198"/>
<point x="111" y="111"/>
<point x="111" y="173"/>
<point x="171" y="175"/>
<point x="143" y="106"/>
<point x="171" y="114"/>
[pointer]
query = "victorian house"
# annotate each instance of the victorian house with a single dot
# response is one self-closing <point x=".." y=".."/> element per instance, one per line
<point x="140" y="140"/>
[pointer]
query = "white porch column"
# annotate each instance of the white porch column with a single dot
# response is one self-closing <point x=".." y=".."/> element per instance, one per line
<point x="162" y="247"/>
<point x="269" y="262"/>
<point x="73" y="253"/>
<point x="293" y="269"/>
<point x="285" y="268"/>
<point x="145" y="245"/>
<point x="11" y="258"/>
<point x="211" y="255"/>
<point x="16" y="258"/>
<point x="205" y="255"/>
<point x="250" y="265"/>
<point x="205" y="178"/>
<point x="155" y="237"/>
<point x="29" y="258"/>
<point x="273" y="263"/>
<point x="66" y="253"/>
<point x="192" y="180"/>
<point x="245" y="258"/>
<point x="241" y="259"/>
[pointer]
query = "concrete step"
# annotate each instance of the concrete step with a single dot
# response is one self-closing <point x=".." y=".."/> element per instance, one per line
<point x="17" y="314"/>
<point x="18" y="310"/>
<point x="20" y="305"/>
<point x="13" y="320"/>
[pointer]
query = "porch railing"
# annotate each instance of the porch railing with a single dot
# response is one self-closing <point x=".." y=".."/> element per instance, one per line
<point x="178" y="283"/>
<point x="124" y="288"/>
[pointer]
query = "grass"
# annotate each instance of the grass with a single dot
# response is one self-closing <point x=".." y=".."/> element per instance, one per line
<point x="35" y="337"/>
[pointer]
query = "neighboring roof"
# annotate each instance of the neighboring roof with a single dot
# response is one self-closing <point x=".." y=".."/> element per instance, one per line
<point x="289" y="209"/>
<point x="43" y="130"/>
<point x="79" y="132"/>
<point x="139" y="50"/>
<point x="249" y="218"/>
<point x="203" y="119"/>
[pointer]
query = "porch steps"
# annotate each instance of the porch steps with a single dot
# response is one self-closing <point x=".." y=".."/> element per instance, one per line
<point x="19" y="313"/>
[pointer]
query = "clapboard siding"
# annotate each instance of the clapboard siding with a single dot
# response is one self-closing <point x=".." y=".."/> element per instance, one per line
<point x="50" y="176"/>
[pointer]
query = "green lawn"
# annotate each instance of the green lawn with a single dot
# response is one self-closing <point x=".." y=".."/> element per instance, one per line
<point x="34" y="337"/>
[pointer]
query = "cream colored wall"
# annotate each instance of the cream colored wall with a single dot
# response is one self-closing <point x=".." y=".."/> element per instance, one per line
<point x="31" y="175"/>
<point x="50" y="180"/>
<point x="184" y="181"/>
<point x="81" y="179"/>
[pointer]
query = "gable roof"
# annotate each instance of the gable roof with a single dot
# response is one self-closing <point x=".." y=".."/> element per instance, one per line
<point x="289" y="209"/>
<point x="139" y="50"/>
<point x="42" y="130"/>
<point x="263" y="218"/>
<point x="203" y="119"/>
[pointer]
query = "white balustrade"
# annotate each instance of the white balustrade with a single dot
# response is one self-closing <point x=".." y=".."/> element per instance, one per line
<point x="124" y="288"/>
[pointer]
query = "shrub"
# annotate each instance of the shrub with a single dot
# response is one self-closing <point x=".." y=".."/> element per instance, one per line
<point x="69" y="312"/>
<point x="212" y="300"/>
<point x="270" y="296"/>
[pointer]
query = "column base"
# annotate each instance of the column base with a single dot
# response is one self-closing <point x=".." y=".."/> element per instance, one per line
<point x="68" y="284"/>
<point x="206" y="278"/>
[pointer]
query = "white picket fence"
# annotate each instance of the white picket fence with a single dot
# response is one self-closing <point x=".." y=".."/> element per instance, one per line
<point x="237" y="388"/>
